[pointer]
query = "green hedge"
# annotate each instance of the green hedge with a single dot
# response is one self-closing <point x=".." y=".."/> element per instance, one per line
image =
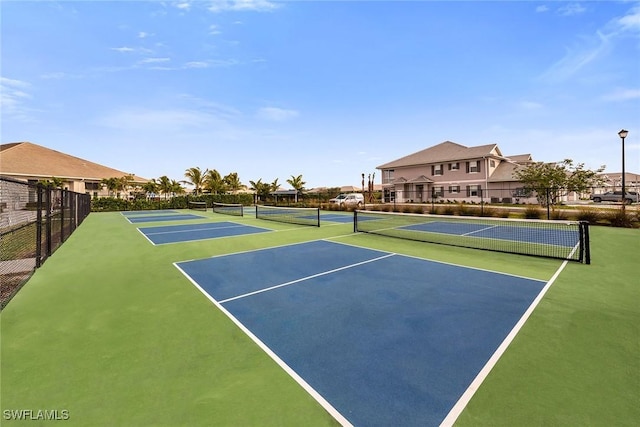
<point x="107" y="204"/>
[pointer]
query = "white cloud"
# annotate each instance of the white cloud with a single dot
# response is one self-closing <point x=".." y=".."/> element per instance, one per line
<point x="631" y="21"/>
<point x="157" y="120"/>
<point x="242" y="5"/>
<point x="197" y="64"/>
<point x="542" y="8"/>
<point x="154" y="60"/>
<point x="183" y="5"/>
<point x="571" y="9"/>
<point x="623" y="95"/>
<point x="123" y="49"/>
<point x="579" y="57"/>
<point x="13" y="98"/>
<point x="214" y="30"/>
<point x="276" y="114"/>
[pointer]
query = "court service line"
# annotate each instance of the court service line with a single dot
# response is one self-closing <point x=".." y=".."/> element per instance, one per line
<point x="288" y="369"/>
<point x="457" y="409"/>
<point x="195" y="229"/>
<point x="313" y="276"/>
<point x="478" y="231"/>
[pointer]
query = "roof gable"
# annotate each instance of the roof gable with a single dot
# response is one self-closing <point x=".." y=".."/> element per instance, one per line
<point x="445" y="151"/>
<point x="28" y="159"/>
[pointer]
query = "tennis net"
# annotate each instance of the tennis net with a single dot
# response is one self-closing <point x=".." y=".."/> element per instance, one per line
<point x="228" y="208"/>
<point x="302" y="216"/>
<point x="199" y="206"/>
<point x="551" y="239"/>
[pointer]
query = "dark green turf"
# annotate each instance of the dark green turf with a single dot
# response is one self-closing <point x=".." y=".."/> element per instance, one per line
<point x="109" y="330"/>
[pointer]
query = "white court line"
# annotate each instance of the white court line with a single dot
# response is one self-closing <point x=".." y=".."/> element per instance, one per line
<point x="477" y="231"/>
<point x="196" y="229"/>
<point x="457" y="409"/>
<point x="306" y="386"/>
<point x="324" y="273"/>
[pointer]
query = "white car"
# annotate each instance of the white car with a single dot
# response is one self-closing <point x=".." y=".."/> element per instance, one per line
<point x="351" y="199"/>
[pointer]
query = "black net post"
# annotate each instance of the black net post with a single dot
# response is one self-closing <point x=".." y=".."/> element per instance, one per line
<point x="585" y="246"/>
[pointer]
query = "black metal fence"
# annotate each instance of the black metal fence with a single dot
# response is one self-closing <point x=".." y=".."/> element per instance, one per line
<point x="34" y="221"/>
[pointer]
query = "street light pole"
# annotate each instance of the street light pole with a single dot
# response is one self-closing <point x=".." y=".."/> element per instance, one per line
<point x="623" y="134"/>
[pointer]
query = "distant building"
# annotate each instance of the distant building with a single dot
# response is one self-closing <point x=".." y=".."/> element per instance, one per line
<point x="28" y="162"/>
<point x="451" y="171"/>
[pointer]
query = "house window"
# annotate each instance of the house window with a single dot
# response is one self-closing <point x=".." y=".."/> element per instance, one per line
<point x="454" y="166"/>
<point x="387" y="175"/>
<point x="438" y="191"/>
<point x="474" y="191"/>
<point x="492" y="163"/>
<point x="437" y="169"/>
<point x="454" y="189"/>
<point x="473" y="167"/>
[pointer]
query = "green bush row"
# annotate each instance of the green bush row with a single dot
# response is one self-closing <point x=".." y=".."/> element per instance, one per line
<point x="613" y="217"/>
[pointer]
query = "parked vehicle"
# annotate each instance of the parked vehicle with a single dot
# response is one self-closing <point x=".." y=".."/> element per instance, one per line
<point x="351" y="199"/>
<point x="616" y="196"/>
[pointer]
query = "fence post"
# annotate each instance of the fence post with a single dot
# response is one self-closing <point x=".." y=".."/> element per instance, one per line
<point x="63" y="195"/>
<point x="39" y="190"/>
<point x="548" y="204"/>
<point x="48" y="231"/>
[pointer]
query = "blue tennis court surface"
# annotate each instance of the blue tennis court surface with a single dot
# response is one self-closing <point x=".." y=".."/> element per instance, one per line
<point x="336" y="217"/>
<point x="190" y="232"/>
<point x="499" y="232"/>
<point x="163" y="217"/>
<point x="386" y="339"/>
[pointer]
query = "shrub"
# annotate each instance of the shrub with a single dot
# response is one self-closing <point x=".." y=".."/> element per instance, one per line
<point x="619" y="218"/>
<point x="590" y="215"/>
<point x="533" y="212"/>
<point x="558" y="214"/>
<point x="490" y="212"/>
<point x="448" y="210"/>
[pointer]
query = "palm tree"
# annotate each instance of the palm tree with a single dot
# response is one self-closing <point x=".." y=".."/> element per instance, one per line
<point x="214" y="182"/>
<point x="176" y="188"/>
<point x="111" y="184"/>
<point x="164" y="184"/>
<point x="262" y="189"/>
<point x="150" y="187"/>
<point x="233" y="183"/>
<point x="196" y="177"/>
<point x="297" y="183"/>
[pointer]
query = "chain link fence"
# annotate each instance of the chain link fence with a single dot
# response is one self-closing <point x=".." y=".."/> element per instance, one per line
<point x="34" y="221"/>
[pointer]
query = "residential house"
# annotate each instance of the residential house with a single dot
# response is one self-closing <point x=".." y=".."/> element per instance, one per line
<point x="454" y="172"/>
<point x="28" y="162"/>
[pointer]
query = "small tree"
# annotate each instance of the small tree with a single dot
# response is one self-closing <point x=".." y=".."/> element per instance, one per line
<point x="297" y="183"/>
<point x="551" y="181"/>
<point x="196" y="177"/>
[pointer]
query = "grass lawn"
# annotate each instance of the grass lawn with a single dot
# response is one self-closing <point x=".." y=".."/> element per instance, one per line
<point x="110" y="331"/>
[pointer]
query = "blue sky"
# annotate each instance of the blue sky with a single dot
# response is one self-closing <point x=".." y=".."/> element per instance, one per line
<point x="324" y="89"/>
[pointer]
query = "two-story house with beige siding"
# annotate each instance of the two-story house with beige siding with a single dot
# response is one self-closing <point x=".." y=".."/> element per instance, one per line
<point x="452" y="172"/>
